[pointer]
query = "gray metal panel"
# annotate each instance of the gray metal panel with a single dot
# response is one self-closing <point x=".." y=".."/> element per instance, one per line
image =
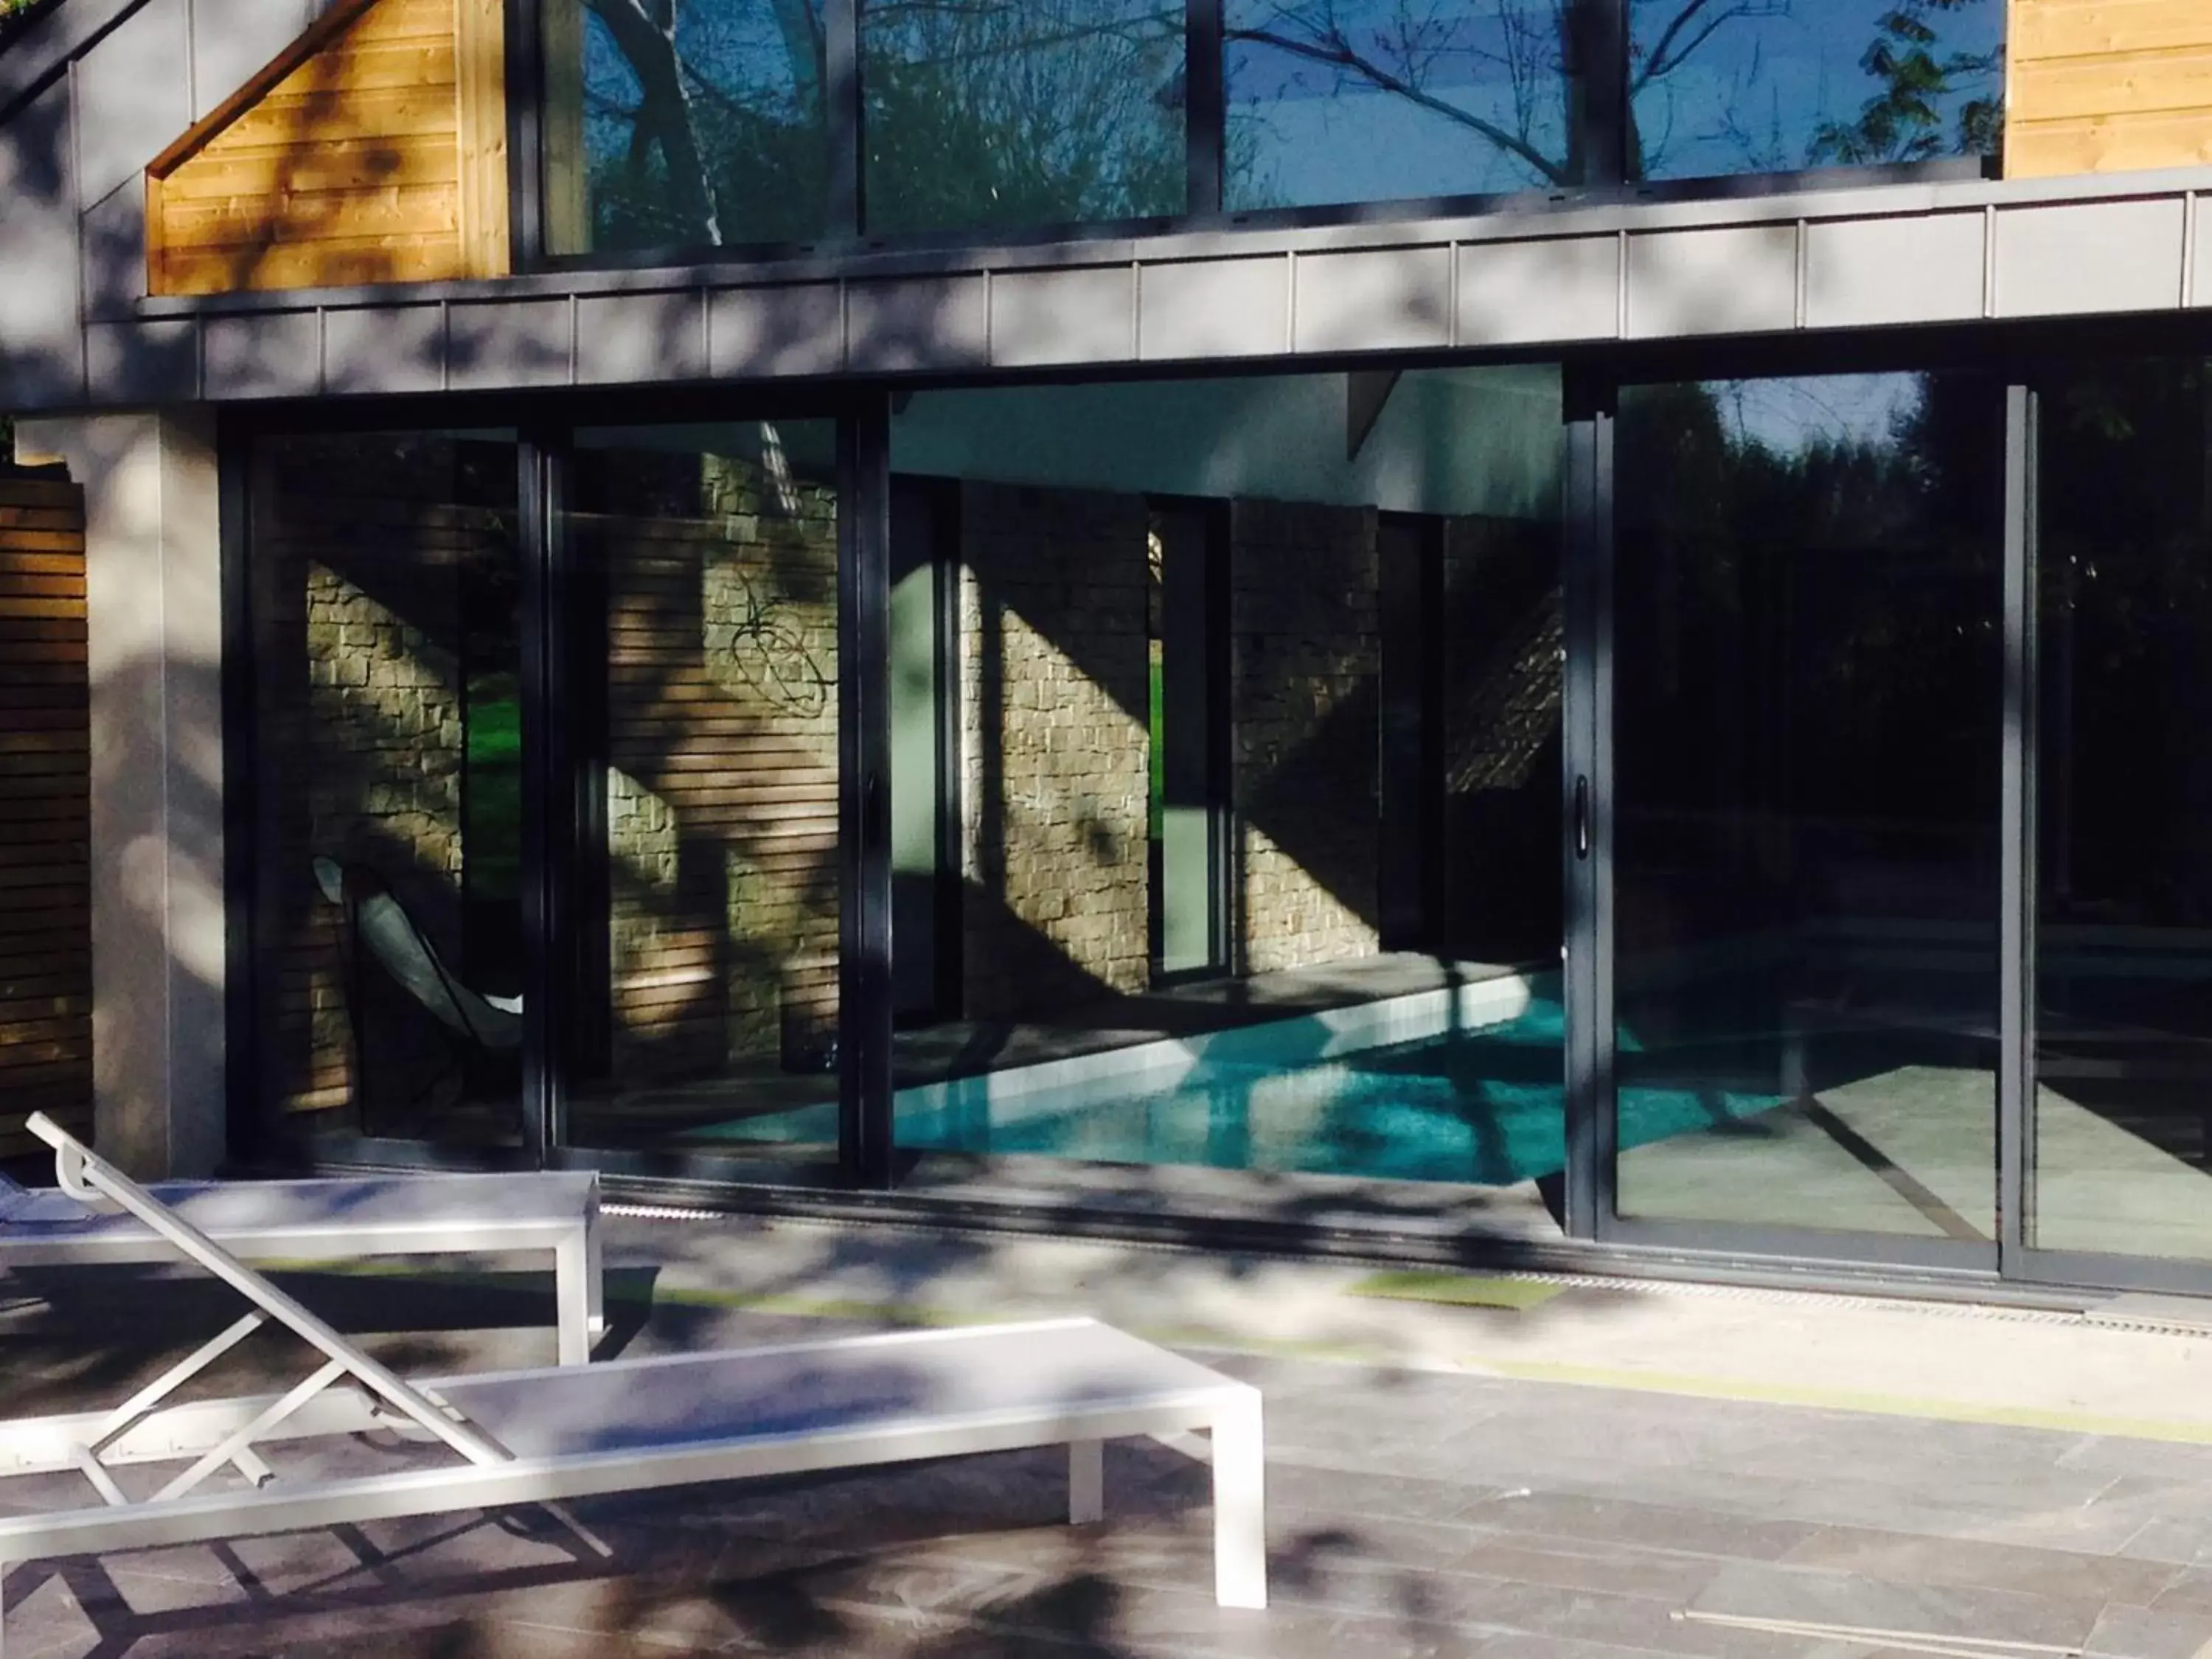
<point x="776" y="331"/>
<point x="635" y="338"/>
<point x="133" y="97"/>
<point x="1072" y="315"/>
<point x="113" y="248"/>
<point x="1214" y="308"/>
<point x="155" y="361"/>
<point x="45" y="46"/>
<point x="245" y="361"/>
<point x="2089" y="257"/>
<point x="918" y="322"/>
<point x="1866" y="257"/>
<point x="1563" y="288"/>
<point x="232" y="40"/>
<point x="41" y="350"/>
<point x="378" y="349"/>
<point x="496" y="343"/>
<point x="1927" y="268"/>
<point x="1731" y="280"/>
<point x="1377" y="299"/>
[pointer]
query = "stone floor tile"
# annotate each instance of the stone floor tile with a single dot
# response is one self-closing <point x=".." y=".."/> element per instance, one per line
<point x="1626" y="1521"/>
<point x="2148" y="1633"/>
<point x="1763" y="1590"/>
<point x="1916" y="1559"/>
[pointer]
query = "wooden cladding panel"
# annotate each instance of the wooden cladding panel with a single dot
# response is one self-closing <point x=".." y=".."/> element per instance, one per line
<point x="377" y="154"/>
<point x="46" y="813"/>
<point x="2107" y="85"/>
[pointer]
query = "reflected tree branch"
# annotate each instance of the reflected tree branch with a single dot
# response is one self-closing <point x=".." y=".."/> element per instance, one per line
<point x="645" y="32"/>
<point x="1333" y="49"/>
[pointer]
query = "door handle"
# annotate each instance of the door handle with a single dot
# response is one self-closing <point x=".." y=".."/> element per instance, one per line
<point x="1581" y="818"/>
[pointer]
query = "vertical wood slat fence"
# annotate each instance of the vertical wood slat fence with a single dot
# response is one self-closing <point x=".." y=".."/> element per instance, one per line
<point x="45" y="805"/>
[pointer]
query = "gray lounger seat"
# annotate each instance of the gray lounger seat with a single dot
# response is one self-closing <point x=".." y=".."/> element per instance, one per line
<point x="343" y="1219"/>
<point x="541" y="1437"/>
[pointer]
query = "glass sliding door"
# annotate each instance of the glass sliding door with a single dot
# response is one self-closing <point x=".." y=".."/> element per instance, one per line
<point x="2121" y="1126"/>
<point x="702" y="893"/>
<point x="385" y="580"/>
<point x="1807" y="712"/>
<point x="1253" y="767"/>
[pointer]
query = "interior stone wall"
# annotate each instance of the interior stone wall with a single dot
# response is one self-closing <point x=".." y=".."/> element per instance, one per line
<point x="1055" y="748"/>
<point x="1305" y="674"/>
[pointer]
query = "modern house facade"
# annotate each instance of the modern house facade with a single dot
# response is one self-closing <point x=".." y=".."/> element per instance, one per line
<point x="1564" y="631"/>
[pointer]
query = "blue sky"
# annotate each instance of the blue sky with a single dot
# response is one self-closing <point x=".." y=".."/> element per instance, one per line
<point x="1751" y="96"/>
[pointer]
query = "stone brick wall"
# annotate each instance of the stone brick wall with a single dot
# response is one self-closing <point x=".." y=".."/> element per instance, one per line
<point x="721" y="805"/>
<point x="1055" y="751"/>
<point x="359" y="556"/>
<point x="1305" y="671"/>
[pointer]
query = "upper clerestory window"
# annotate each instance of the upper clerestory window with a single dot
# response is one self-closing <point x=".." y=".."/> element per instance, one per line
<point x="1723" y="87"/>
<point x="989" y="113"/>
<point x="1336" y="102"/>
<point x="676" y="126"/>
<point x="685" y="123"/>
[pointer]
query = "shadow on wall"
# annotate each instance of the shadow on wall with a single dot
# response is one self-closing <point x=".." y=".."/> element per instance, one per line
<point x="385" y="583"/>
<point x="160" y="910"/>
<point x="355" y="164"/>
<point x="706" y="684"/>
<point x="1055" y="695"/>
<point x="718" y="577"/>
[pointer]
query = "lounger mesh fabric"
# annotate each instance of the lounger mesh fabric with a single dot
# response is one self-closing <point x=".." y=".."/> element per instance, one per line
<point x="25" y="1207"/>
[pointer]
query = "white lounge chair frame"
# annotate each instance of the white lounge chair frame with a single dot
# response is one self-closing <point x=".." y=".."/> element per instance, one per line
<point x="349" y="1218"/>
<point x="1127" y="1389"/>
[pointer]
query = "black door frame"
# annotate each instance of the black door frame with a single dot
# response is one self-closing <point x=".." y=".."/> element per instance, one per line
<point x="1586" y="805"/>
<point x="866" y="1155"/>
<point x="1591" y="552"/>
<point x="2024" y="1260"/>
<point x="556" y="807"/>
<point x="1590" y="782"/>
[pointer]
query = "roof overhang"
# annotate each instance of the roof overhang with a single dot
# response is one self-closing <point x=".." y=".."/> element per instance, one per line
<point x="1891" y="257"/>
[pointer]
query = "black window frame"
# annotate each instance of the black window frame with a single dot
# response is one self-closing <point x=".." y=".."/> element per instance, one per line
<point x="1599" y="36"/>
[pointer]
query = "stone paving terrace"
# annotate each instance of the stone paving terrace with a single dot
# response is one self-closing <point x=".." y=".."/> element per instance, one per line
<point x="1566" y="1471"/>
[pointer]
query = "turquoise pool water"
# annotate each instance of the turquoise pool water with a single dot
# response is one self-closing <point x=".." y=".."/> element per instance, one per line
<point x="1484" y="1106"/>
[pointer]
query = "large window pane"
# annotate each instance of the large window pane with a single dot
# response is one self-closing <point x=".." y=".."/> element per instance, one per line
<point x="386" y="578"/>
<point x="983" y="113"/>
<point x="704" y="128"/>
<point x="705" y="712"/>
<point x="1788" y="84"/>
<point x="1807" y="731"/>
<point x="1246" y="798"/>
<point x="2123" y="1123"/>
<point x="1369" y="100"/>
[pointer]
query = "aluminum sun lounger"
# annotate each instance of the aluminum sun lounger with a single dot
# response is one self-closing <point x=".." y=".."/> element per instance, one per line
<point x="538" y="1438"/>
<point x="341" y="1220"/>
